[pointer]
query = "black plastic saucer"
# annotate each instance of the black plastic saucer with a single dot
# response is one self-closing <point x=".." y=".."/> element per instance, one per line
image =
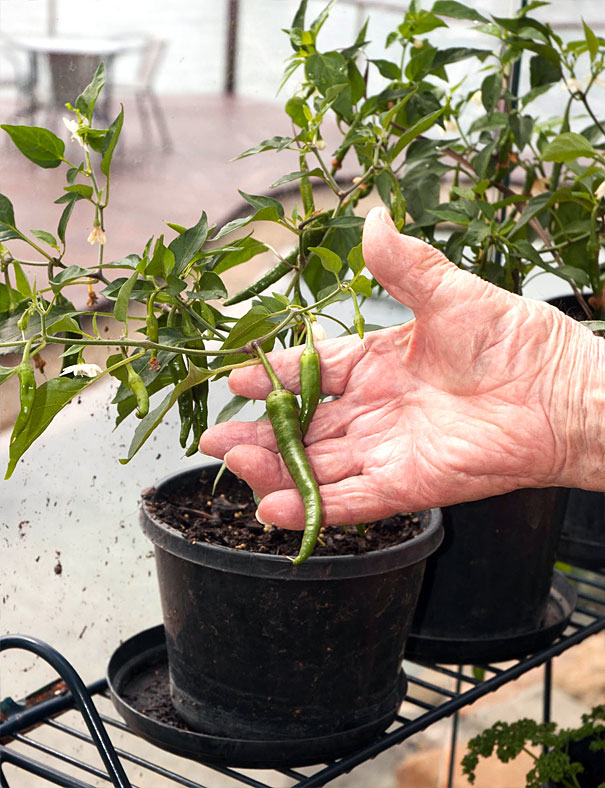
<point x="464" y="651"/>
<point x="138" y="681"/>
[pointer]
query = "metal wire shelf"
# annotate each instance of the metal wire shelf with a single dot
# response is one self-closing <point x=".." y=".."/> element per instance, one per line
<point x="77" y="748"/>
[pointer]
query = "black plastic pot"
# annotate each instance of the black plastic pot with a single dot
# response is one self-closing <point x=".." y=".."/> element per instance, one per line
<point x="593" y="763"/>
<point x="261" y="649"/>
<point x="487" y="590"/>
<point x="583" y="538"/>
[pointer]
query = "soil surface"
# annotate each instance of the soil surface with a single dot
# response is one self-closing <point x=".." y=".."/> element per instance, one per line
<point x="228" y="519"/>
<point x="149" y="694"/>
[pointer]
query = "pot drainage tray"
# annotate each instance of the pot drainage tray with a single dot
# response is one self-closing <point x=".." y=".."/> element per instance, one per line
<point x="561" y="603"/>
<point x="138" y="681"/>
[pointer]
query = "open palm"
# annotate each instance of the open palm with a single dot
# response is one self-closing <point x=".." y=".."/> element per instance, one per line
<point x="458" y="404"/>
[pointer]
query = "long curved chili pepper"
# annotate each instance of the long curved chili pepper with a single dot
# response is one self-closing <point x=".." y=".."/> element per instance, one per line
<point x="282" y="410"/>
<point x="310" y="381"/>
<point x="200" y="415"/>
<point x="152" y="326"/>
<point x="178" y="372"/>
<point x="135" y="383"/>
<point x="27" y="393"/>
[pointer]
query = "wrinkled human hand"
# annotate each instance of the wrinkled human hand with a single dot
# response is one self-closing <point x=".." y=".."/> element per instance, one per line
<point x="482" y="393"/>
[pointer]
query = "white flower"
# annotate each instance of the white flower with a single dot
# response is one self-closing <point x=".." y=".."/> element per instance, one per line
<point x="97" y="236"/>
<point x="476" y="98"/>
<point x="74" y="127"/>
<point x="83" y="370"/>
<point x="318" y="331"/>
<point x="451" y="125"/>
<point x="320" y="144"/>
<point x="600" y="190"/>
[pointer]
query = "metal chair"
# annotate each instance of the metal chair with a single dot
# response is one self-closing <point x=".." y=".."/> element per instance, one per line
<point x="142" y="87"/>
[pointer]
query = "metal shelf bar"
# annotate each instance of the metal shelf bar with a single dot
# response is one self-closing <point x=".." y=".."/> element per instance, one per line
<point x="428" y="685"/>
<point x="128" y="756"/>
<point x="452" y="673"/>
<point x="40" y="770"/>
<point x="584" y="623"/>
<point x="86" y="767"/>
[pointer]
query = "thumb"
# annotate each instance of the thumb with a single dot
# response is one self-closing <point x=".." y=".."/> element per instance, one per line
<point x="411" y="270"/>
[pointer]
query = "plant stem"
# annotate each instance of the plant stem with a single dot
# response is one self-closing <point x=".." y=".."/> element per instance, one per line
<point x="256" y="348"/>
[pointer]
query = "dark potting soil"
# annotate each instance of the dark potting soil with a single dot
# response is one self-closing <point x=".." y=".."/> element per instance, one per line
<point x="149" y="694"/>
<point x="228" y="519"/>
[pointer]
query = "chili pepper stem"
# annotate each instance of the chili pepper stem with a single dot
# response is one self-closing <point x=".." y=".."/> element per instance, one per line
<point x="269" y="369"/>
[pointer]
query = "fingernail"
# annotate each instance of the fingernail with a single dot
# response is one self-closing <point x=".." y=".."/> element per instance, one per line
<point x="260" y="520"/>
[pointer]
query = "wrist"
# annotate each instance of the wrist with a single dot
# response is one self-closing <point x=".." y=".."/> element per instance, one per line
<point x="583" y="411"/>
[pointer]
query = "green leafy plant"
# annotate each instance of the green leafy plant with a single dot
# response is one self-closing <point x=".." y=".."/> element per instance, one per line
<point x="474" y="169"/>
<point x="556" y="762"/>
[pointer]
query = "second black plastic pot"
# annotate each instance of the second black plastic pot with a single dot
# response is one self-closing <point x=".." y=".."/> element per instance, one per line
<point x="261" y="649"/>
<point x="490" y="580"/>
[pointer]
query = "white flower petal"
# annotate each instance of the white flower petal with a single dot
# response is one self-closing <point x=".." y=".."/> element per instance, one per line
<point x="83" y="370"/>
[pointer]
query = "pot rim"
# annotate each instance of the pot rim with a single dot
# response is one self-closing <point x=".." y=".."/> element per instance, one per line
<point x="227" y="559"/>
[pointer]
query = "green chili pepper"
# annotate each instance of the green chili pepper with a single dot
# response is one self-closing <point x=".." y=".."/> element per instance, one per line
<point x="200" y="415"/>
<point x="152" y="325"/>
<point x="310" y="381"/>
<point x="266" y="280"/>
<point x="282" y="410"/>
<point x="306" y="190"/>
<point x="27" y="393"/>
<point x="135" y="383"/>
<point x="178" y="372"/>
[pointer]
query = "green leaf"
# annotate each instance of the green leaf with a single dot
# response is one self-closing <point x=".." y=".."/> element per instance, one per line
<point x="418" y="128"/>
<point x="362" y="285"/>
<point x="174" y="285"/>
<point x="250" y="326"/>
<point x="6" y="373"/>
<point x="267" y="208"/>
<point x="69" y="274"/>
<point x="8" y="298"/>
<point x="39" y="145"/>
<point x="154" y="417"/>
<point x="387" y="69"/>
<point x="543" y="71"/>
<point x="88" y="97"/>
<point x="568" y="146"/>
<point x="110" y="141"/>
<point x="328" y="72"/>
<point x="65" y="216"/>
<point x="355" y="259"/>
<point x="243" y="250"/>
<point x="83" y="189"/>
<point x="235" y="404"/>
<point x="295" y="108"/>
<point x="209" y="287"/>
<point x="534" y="207"/>
<point x="186" y="245"/>
<point x="591" y="40"/>
<point x="491" y="87"/>
<point x="8" y="229"/>
<point x="47" y="238"/>
<point x="294" y="176"/>
<point x="120" y="310"/>
<point x="21" y="280"/>
<point x="329" y="259"/>
<point x="50" y="398"/>
<point x="521" y="127"/>
<point x="275" y="143"/>
<point x="457" y="10"/>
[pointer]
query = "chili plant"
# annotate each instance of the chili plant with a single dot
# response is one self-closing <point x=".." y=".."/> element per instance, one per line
<point x="475" y="169"/>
